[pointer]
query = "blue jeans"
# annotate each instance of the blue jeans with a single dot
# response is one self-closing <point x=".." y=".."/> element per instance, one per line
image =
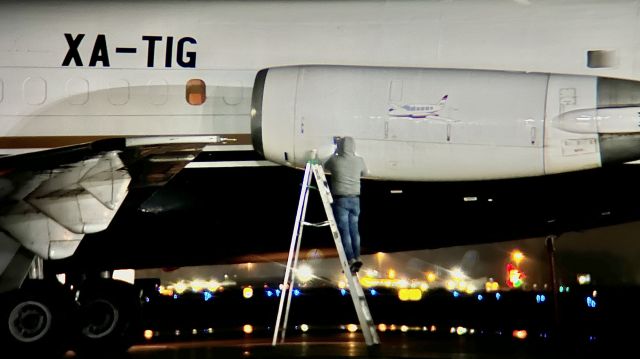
<point x="347" y="210"/>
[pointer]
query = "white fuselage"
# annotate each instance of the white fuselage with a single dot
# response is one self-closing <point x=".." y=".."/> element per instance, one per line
<point x="76" y="71"/>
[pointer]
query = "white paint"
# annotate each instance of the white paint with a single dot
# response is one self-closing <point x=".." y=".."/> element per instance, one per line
<point x="230" y="164"/>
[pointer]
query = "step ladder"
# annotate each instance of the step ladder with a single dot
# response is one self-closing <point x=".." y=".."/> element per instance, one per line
<point x="315" y="170"/>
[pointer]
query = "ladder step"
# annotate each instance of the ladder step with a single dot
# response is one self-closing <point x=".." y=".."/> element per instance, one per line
<point x="319" y="224"/>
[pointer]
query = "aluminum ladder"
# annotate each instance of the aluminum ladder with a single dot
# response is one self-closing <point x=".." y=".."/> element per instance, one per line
<point x="315" y="170"/>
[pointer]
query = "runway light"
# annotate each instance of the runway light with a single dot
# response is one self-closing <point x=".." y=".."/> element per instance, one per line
<point x="304" y="328"/>
<point x="404" y="328"/>
<point x="304" y="273"/>
<point x="498" y="296"/>
<point x="148" y="334"/>
<point x="382" y="327"/>
<point x="480" y="297"/>
<point x="247" y="292"/>
<point x="591" y="303"/>
<point x="210" y="330"/>
<point x="352" y="328"/>
<point x="433" y="328"/>
<point x="278" y="292"/>
<point x="392" y="327"/>
<point x="461" y="330"/>
<point x="207" y="296"/>
<point x="456" y="294"/>
<point x="180" y="287"/>
<point x="247" y="328"/>
<point x="296" y="292"/>
<point x="269" y="293"/>
<point x="584" y="279"/>
<point x="343" y="291"/>
<point x="194" y="331"/>
<point x="373" y="292"/>
<point x="520" y="334"/>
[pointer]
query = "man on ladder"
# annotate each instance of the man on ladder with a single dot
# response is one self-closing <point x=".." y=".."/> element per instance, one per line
<point x="346" y="169"/>
<point x="347" y="180"/>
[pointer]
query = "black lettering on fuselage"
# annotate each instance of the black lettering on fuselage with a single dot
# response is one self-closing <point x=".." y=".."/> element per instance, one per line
<point x="169" y="52"/>
<point x="72" y="53"/>
<point x="100" y="52"/>
<point x="190" y="55"/>
<point x="152" y="48"/>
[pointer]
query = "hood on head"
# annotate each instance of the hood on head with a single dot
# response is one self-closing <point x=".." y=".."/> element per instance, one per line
<point x="346" y="146"/>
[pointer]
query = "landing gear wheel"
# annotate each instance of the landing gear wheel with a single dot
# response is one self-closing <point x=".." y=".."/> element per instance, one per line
<point x="35" y="319"/>
<point x="109" y="316"/>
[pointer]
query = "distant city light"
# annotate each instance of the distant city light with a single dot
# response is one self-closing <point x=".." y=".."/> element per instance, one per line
<point x="520" y="334"/>
<point x="404" y="328"/>
<point x="391" y="274"/>
<point x="461" y="330"/>
<point x="304" y="328"/>
<point x="247" y="292"/>
<point x="247" y="329"/>
<point x="352" y="328"/>
<point x="148" y="334"/>
<point x="584" y="279"/>
<point x="431" y="277"/>
<point x="517" y="256"/>
<point x="382" y="327"/>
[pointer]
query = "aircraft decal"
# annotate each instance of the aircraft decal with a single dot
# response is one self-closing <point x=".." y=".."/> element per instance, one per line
<point x="100" y="52"/>
<point x="418" y="111"/>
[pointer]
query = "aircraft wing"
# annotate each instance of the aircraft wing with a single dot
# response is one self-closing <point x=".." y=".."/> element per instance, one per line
<point x="50" y="199"/>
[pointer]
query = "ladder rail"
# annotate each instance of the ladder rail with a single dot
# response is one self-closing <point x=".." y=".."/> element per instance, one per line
<point x="297" y="231"/>
<point x="367" y="326"/>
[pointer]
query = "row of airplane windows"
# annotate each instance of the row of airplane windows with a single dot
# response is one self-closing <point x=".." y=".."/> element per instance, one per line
<point x="34" y="91"/>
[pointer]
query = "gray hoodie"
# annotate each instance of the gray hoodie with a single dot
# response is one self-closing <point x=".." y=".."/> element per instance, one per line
<point x="346" y="169"/>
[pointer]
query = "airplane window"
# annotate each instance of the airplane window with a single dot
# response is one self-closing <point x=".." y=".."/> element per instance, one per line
<point x="600" y="58"/>
<point x="196" y="92"/>
<point x="617" y="93"/>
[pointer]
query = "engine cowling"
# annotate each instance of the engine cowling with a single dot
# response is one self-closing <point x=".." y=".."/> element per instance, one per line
<point x="446" y="124"/>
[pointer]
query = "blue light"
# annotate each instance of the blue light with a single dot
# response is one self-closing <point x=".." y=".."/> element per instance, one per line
<point x="542" y="298"/>
<point x="269" y="293"/>
<point x="591" y="303"/>
<point x="296" y="292"/>
<point x="277" y="292"/>
<point x="373" y="291"/>
<point x="456" y="294"/>
<point x="207" y="296"/>
<point x="146" y="299"/>
<point x="538" y="298"/>
<point x="175" y="296"/>
<point x="343" y="291"/>
<point x="498" y="296"/>
<point x="561" y="289"/>
<point x="480" y="297"/>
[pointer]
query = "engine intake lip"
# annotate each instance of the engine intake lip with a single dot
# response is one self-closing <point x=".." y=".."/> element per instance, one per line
<point x="256" y="111"/>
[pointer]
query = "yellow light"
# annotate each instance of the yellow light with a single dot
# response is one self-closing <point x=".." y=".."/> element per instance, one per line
<point x="517" y="257"/>
<point x="391" y="274"/>
<point x="431" y="277"/>
<point x="165" y="291"/>
<point x="197" y="285"/>
<point x="247" y="329"/>
<point x="457" y="273"/>
<point x="368" y="282"/>
<point x="342" y="284"/>
<point x="406" y="294"/>
<point x="433" y="328"/>
<point x="212" y="285"/>
<point x="304" y="328"/>
<point x="461" y="330"/>
<point x="392" y="327"/>
<point x="470" y="289"/>
<point x="424" y="287"/>
<point x="352" y="328"/>
<point x="520" y="334"/>
<point x="148" y="334"/>
<point x="404" y="328"/>
<point x="382" y="327"/>
<point x="194" y="331"/>
<point x="247" y="292"/>
<point x="180" y="287"/>
<point x="451" y="285"/>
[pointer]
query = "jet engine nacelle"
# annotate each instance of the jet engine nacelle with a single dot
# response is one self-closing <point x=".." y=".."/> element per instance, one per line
<point x="446" y="124"/>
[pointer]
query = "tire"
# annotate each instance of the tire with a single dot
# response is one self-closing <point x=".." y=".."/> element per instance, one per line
<point x="35" y="319"/>
<point x="109" y="316"/>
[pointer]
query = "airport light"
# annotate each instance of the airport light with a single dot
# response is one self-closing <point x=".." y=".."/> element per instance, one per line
<point x="515" y="277"/>
<point x="410" y="294"/>
<point x="352" y="328"/>
<point x="461" y="330"/>
<point x="457" y="274"/>
<point x="584" y="279"/>
<point x="148" y="334"/>
<point x="247" y="328"/>
<point x="180" y="287"/>
<point x="431" y="277"/>
<point x="304" y="328"/>
<point x="382" y="328"/>
<point x="517" y="256"/>
<point x="247" y="292"/>
<point x="520" y="334"/>
<point x="391" y="274"/>
<point x="304" y="273"/>
<point x="404" y="328"/>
